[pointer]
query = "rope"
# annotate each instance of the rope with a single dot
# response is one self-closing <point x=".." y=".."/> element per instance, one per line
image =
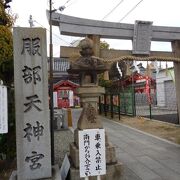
<point x="133" y="58"/>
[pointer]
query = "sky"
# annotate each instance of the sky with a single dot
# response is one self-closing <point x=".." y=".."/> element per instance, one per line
<point x="160" y="12"/>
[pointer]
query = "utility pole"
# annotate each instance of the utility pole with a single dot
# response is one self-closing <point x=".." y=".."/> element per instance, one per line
<point x="51" y="83"/>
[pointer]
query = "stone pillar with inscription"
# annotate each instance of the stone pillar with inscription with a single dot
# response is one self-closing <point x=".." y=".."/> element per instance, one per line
<point x="32" y="106"/>
<point x="88" y="67"/>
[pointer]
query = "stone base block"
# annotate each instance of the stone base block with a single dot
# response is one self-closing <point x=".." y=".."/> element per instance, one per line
<point x="110" y="155"/>
<point x="113" y="172"/>
<point x="55" y="174"/>
<point x="74" y="154"/>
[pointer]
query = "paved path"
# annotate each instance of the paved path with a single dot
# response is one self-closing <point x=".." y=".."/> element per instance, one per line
<point x="143" y="156"/>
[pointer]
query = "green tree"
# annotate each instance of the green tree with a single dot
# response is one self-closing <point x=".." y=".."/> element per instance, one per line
<point x="104" y="45"/>
<point x="6" y="44"/>
<point x="7" y="141"/>
<point x="6" y="55"/>
<point x="6" y="19"/>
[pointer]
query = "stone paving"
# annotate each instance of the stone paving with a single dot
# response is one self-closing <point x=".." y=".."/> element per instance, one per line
<point x="144" y="156"/>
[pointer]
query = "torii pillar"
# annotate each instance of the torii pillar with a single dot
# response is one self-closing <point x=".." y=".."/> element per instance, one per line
<point x="176" y="51"/>
<point x="96" y="49"/>
<point x="96" y="44"/>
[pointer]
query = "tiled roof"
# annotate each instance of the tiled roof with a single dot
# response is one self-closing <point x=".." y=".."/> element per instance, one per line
<point x="67" y="82"/>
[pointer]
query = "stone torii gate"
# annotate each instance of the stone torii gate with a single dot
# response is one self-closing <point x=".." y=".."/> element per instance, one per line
<point x="141" y="33"/>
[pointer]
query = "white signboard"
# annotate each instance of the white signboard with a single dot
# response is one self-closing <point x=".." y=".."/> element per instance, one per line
<point x="55" y="99"/>
<point x="71" y="98"/>
<point x="92" y="152"/>
<point x="3" y="110"/>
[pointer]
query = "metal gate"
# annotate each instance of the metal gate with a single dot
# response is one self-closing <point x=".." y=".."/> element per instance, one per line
<point x="121" y="102"/>
<point x="163" y="105"/>
<point x="158" y="104"/>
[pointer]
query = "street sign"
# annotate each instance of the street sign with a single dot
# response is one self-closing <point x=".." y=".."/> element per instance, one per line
<point x="3" y="110"/>
<point x="92" y="152"/>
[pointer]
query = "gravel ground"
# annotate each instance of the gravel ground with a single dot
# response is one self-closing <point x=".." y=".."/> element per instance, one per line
<point x="62" y="139"/>
<point x="168" y="131"/>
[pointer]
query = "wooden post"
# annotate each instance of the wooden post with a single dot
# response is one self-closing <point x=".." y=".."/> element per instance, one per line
<point x="111" y="99"/>
<point x="69" y="115"/>
<point x="105" y="105"/>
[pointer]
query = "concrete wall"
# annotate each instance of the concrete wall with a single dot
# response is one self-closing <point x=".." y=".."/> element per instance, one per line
<point x="170" y="95"/>
<point x="164" y="90"/>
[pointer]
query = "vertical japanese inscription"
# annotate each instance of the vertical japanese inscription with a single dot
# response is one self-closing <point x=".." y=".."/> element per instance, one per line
<point x="98" y="151"/>
<point x="35" y="131"/>
<point x="31" y="95"/>
<point x="32" y="101"/>
<point x="31" y="45"/>
<point x="34" y="158"/>
<point x="87" y="162"/>
<point x="31" y="75"/>
<point x="91" y="113"/>
<point x="92" y="152"/>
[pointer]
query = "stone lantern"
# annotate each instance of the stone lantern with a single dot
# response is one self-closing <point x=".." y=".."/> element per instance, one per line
<point x="88" y="67"/>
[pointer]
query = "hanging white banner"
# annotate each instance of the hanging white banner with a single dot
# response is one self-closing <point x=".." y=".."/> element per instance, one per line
<point x="3" y="110"/>
<point x="55" y="99"/>
<point x="71" y="98"/>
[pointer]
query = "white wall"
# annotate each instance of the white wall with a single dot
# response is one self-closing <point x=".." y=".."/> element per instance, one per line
<point x="161" y="77"/>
